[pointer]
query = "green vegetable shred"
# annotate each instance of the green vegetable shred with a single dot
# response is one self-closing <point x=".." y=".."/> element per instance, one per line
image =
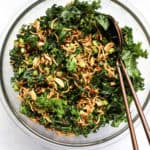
<point x="65" y="72"/>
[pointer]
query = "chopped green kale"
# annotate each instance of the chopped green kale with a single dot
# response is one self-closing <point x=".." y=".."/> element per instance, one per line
<point x="65" y="69"/>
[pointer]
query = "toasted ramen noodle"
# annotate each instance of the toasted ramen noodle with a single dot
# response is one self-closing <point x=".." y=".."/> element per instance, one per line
<point x="64" y="67"/>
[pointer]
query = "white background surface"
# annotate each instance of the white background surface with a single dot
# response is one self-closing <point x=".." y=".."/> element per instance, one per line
<point x="11" y="137"/>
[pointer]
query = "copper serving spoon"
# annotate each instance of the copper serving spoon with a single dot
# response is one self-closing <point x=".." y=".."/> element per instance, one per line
<point x="116" y="33"/>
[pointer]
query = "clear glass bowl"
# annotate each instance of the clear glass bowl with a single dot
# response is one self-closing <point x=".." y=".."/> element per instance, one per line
<point x="125" y="14"/>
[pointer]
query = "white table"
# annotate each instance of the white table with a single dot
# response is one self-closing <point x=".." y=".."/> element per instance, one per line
<point x="11" y="137"/>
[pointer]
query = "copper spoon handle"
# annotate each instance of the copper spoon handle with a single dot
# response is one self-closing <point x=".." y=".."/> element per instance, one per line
<point x="130" y="123"/>
<point x="137" y="103"/>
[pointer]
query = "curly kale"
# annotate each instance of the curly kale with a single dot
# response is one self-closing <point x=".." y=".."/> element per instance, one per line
<point x="38" y="63"/>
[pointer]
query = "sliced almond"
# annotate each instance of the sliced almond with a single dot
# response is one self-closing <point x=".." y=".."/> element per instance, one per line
<point x="33" y="95"/>
<point x="92" y="61"/>
<point x="59" y="82"/>
<point x="40" y="44"/>
<point x="108" y="46"/>
<point x="36" y="62"/>
<point x="47" y="57"/>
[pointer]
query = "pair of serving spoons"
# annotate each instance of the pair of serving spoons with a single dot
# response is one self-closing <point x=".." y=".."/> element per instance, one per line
<point x="117" y="38"/>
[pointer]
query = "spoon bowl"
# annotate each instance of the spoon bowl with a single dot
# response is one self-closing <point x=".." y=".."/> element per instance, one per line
<point x="115" y="32"/>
